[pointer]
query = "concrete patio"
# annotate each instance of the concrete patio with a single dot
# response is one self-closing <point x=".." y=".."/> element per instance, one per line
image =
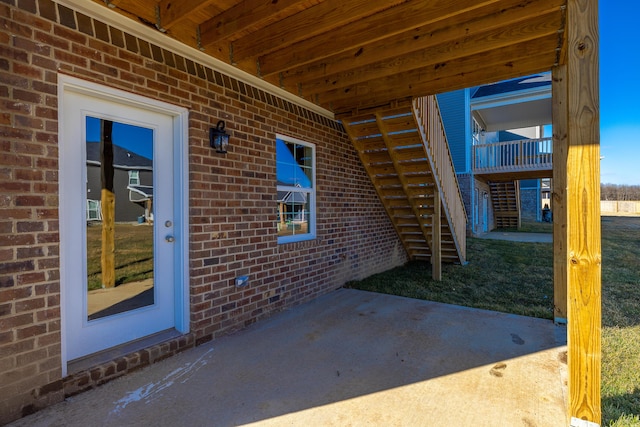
<point x="350" y="358"/>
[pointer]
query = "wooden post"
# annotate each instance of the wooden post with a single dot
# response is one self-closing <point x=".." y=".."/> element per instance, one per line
<point x="559" y="205"/>
<point x="436" y="239"/>
<point x="108" y="199"/>
<point x="281" y="208"/>
<point x="583" y="255"/>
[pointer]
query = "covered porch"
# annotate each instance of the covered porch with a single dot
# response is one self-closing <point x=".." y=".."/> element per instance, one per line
<point x="345" y="59"/>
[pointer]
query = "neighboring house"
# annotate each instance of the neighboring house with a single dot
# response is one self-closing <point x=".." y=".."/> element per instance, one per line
<point x="133" y="184"/>
<point x="500" y="150"/>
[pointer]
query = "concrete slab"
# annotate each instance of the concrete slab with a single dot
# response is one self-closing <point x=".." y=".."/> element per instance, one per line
<point x="350" y="358"/>
<point x="129" y="296"/>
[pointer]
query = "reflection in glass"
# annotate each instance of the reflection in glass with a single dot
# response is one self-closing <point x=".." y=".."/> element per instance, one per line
<point x="294" y="168"/>
<point x="119" y="217"/>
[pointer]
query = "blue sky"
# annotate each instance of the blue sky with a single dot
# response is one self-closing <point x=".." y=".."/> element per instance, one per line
<point x="133" y="138"/>
<point x="619" y="92"/>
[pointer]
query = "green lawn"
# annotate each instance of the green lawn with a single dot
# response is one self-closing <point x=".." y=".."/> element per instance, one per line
<point x="518" y="278"/>
<point x="134" y="253"/>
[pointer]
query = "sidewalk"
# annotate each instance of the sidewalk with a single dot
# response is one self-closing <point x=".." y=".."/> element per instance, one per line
<point x="518" y="237"/>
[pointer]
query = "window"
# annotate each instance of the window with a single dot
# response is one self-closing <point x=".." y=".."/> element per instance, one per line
<point x="134" y="177"/>
<point x="295" y="171"/>
<point x="94" y="212"/>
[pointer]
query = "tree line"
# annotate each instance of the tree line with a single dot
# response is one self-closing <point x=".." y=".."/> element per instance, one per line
<point x="619" y="192"/>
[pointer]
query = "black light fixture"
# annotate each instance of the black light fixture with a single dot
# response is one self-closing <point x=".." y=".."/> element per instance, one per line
<point x="218" y="138"/>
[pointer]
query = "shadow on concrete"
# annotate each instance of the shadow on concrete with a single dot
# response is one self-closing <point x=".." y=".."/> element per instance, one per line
<point x="140" y="300"/>
<point x="347" y="358"/>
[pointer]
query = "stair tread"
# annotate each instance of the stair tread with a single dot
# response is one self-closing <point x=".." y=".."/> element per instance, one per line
<point x="392" y="151"/>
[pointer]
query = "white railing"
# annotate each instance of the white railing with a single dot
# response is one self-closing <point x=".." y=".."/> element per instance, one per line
<point x="428" y="116"/>
<point x="513" y="156"/>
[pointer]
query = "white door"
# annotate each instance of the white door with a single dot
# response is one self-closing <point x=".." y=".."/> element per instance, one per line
<point x="122" y="267"/>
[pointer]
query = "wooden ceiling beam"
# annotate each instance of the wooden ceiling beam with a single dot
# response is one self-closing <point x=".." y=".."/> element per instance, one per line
<point x="510" y="62"/>
<point x="240" y="19"/>
<point x="313" y="21"/>
<point x="471" y="24"/>
<point x="526" y="31"/>
<point x="374" y="28"/>
<point x="174" y="11"/>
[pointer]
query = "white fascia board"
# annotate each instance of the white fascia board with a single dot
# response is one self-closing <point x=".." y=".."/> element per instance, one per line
<point x="114" y="19"/>
<point x="509" y="98"/>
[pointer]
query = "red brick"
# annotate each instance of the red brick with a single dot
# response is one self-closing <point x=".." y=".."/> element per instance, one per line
<point x="48" y="314"/>
<point x="31" y="331"/>
<point x="69" y="58"/>
<point x="15" y="375"/>
<point x="29" y="252"/>
<point x="69" y="34"/>
<point x="28" y="122"/>
<point x="28" y="174"/>
<point x="29" y="200"/>
<point x="27" y="96"/>
<point x="27" y="71"/>
<point x="44" y="63"/>
<point x="16" y="321"/>
<point x="31" y="46"/>
<point x="29" y="226"/>
<point x="23" y="213"/>
<point x="15" y="267"/>
<point x="29" y="305"/>
<point x="6" y="309"/>
<point x="14" y="106"/>
<point x="16" y="187"/>
<point x="48" y="339"/>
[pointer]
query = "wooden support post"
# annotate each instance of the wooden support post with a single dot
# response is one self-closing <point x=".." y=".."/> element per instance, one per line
<point x="559" y="204"/>
<point x="583" y="254"/>
<point x="108" y="201"/>
<point x="436" y="239"/>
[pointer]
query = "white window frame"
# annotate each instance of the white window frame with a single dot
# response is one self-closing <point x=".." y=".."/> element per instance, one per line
<point x="311" y="234"/>
<point x="134" y="177"/>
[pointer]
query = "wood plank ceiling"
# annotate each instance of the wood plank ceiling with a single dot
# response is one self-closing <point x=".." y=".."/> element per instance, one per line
<point x="352" y="55"/>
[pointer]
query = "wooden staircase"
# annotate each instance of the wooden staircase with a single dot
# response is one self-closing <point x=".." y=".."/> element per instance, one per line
<point x="405" y="153"/>
<point x="505" y="198"/>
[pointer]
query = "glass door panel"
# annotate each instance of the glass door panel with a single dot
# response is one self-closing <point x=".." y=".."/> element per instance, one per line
<point x="119" y="219"/>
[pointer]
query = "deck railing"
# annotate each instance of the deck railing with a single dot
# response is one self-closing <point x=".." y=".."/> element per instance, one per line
<point x="428" y="117"/>
<point x="513" y="156"/>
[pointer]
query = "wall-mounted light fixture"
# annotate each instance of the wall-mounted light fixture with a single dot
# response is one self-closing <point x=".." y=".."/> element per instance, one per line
<point x="218" y="138"/>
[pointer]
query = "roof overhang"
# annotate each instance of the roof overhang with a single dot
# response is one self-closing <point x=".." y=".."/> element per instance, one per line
<point x="513" y="110"/>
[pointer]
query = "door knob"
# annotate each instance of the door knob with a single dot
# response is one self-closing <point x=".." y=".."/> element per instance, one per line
<point x="170" y="239"/>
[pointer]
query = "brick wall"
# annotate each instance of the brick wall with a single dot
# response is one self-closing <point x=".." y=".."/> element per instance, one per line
<point x="232" y="210"/>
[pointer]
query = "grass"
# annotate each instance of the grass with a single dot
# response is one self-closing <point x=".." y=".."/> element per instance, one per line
<point x="134" y="254"/>
<point x="517" y="278"/>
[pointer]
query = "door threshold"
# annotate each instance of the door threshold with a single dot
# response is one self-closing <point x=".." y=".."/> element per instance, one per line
<point x="104" y="356"/>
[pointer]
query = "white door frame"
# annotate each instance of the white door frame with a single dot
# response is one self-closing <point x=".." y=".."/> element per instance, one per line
<point x="67" y="84"/>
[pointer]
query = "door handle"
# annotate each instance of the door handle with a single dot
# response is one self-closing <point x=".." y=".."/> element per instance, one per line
<point x="170" y="239"/>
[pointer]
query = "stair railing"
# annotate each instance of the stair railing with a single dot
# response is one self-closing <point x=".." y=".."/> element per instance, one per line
<point x="427" y="114"/>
